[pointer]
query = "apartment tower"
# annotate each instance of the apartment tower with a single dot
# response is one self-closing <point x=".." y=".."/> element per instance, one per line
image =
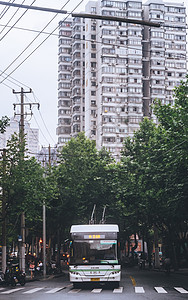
<point x="111" y="72"/>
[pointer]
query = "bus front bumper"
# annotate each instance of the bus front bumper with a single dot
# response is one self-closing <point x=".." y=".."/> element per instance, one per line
<point x="113" y="276"/>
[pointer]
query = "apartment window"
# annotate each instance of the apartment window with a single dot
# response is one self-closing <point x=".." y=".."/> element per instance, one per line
<point x="93" y="9"/>
<point x="156" y="6"/>
<point x="93" y="55"/>
<point x="134" y="4"/>
<point x="93" y="64"/>
<point x="93" y="93"/>
<point x="109" y="139"/>
<point x="93" y="103"/>
<point x="93" y="46"/>
<point x="93" y="112"/>
<point x="108" y="13"/>
<point x="109" y="129"/>
<point x="157" y="34"/>
<point x="180" y="37"/>
<point x="93" y="36"/>
<point x="134" y="14"/>
<point x="93" y="83"/>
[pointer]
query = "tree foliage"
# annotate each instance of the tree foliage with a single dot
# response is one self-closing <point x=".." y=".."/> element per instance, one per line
<point x="4" y="122"/>
<point x="23" y="184"/>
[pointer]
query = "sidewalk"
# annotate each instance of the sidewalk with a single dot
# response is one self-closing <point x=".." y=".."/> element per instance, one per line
<point x="181" y="271"/>
<point x="47" y="277"/>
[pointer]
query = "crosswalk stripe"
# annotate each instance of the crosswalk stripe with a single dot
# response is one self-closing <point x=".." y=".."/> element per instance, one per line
<point x="55" y="290"/>
<point x="181" y="290"/>
<point x="96" y="291"/>
<point x="33" y="290"/>
<point x="118" y="290"/>
<point x="12" y="291"/>
<point x="74" y="291"/>
<point x="160" y="290"/>
<point x="139" y="289"/>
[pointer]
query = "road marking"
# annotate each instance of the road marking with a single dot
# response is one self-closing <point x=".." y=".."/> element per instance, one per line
<point x="181" y="290"/>
<point x="160" y="290"/>
<point x="12" y="291"/>
<point x="133" y="280"/>
<point x="118" y="290"/>
<point x="139" y="289"/>
<point x="55" y="290"/>
<point x="96" y="290"/>
<point x="74" y="291"/>
<point x="33" y="291"/>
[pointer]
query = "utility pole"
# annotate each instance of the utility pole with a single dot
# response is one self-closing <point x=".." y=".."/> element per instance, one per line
<point x="44" y="239"/>
<point x="44" y="222"/>
<point x="21" y="132"/>
<point x="156" y="241"/>
<point x="4" y="215"/>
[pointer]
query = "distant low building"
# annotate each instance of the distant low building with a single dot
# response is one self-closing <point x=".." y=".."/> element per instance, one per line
<point x="47" y="156"/>
<point x="31" y="134"/>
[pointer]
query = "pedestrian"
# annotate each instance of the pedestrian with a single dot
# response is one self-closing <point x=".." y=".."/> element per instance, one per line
<point x="167" y="264"/>
<point x="32" y="268"/>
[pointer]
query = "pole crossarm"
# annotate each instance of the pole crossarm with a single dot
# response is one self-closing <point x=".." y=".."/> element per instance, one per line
<point x="22" y="104"/>
<point x="110" y="18"/>
<point x="59" y="11"/>
<point x="22" y="91"/>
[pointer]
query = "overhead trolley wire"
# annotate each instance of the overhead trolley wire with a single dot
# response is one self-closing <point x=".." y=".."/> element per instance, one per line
<point x="5" y="9"/>
<point x="10" y="21"/>
<point x="43" y="119"/>
<point x="38" y="45"/>
<point x="20" y="84"/>
<point x="30" y="45"/>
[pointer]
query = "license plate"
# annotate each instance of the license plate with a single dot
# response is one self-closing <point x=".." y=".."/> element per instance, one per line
<point x="95" y="279"/>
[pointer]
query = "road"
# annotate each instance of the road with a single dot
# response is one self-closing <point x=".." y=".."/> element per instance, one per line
<point x="135" y="285"/>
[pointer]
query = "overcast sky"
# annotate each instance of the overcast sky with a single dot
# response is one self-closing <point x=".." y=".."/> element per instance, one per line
<point x="39" y="70"/>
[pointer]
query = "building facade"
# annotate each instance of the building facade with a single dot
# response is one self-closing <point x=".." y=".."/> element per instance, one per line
<point x="111" y="72"/>
<point x="164" y="52"/>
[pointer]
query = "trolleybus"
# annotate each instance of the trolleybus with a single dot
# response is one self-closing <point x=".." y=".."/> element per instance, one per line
<point x="94" y="254"/>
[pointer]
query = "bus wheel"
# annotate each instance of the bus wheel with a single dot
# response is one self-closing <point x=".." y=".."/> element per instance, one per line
<point x="115" y="285"/>
<point x="75" y="285"/>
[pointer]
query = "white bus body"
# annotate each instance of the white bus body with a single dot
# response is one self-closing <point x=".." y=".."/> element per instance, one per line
<point x="94" y="254"/>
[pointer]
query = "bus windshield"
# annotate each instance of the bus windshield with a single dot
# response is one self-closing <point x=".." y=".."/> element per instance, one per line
<point x="94" y="252"/>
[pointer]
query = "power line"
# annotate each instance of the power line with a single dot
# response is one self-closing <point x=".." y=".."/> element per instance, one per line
<point x="29" y="30"/>
<point x="25" y="48"/>
<point x="43" y="121"/>
<point x="30" y="45"/>
<point x="20" y="84"/>
<point x="9" y="22"/>
<point x="16" y="21"/>
<point x="92" y="41"/>
<point x="57" y="11"/>
<point x="44" y="41"/>
<point x="4" y="11"/>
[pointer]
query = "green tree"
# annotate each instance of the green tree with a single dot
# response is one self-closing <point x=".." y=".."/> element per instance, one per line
<point x="4" y="122"/>
<point x="175" y="121"/>
<point x="24" y="185"/>
<point x="154" y="166"/>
